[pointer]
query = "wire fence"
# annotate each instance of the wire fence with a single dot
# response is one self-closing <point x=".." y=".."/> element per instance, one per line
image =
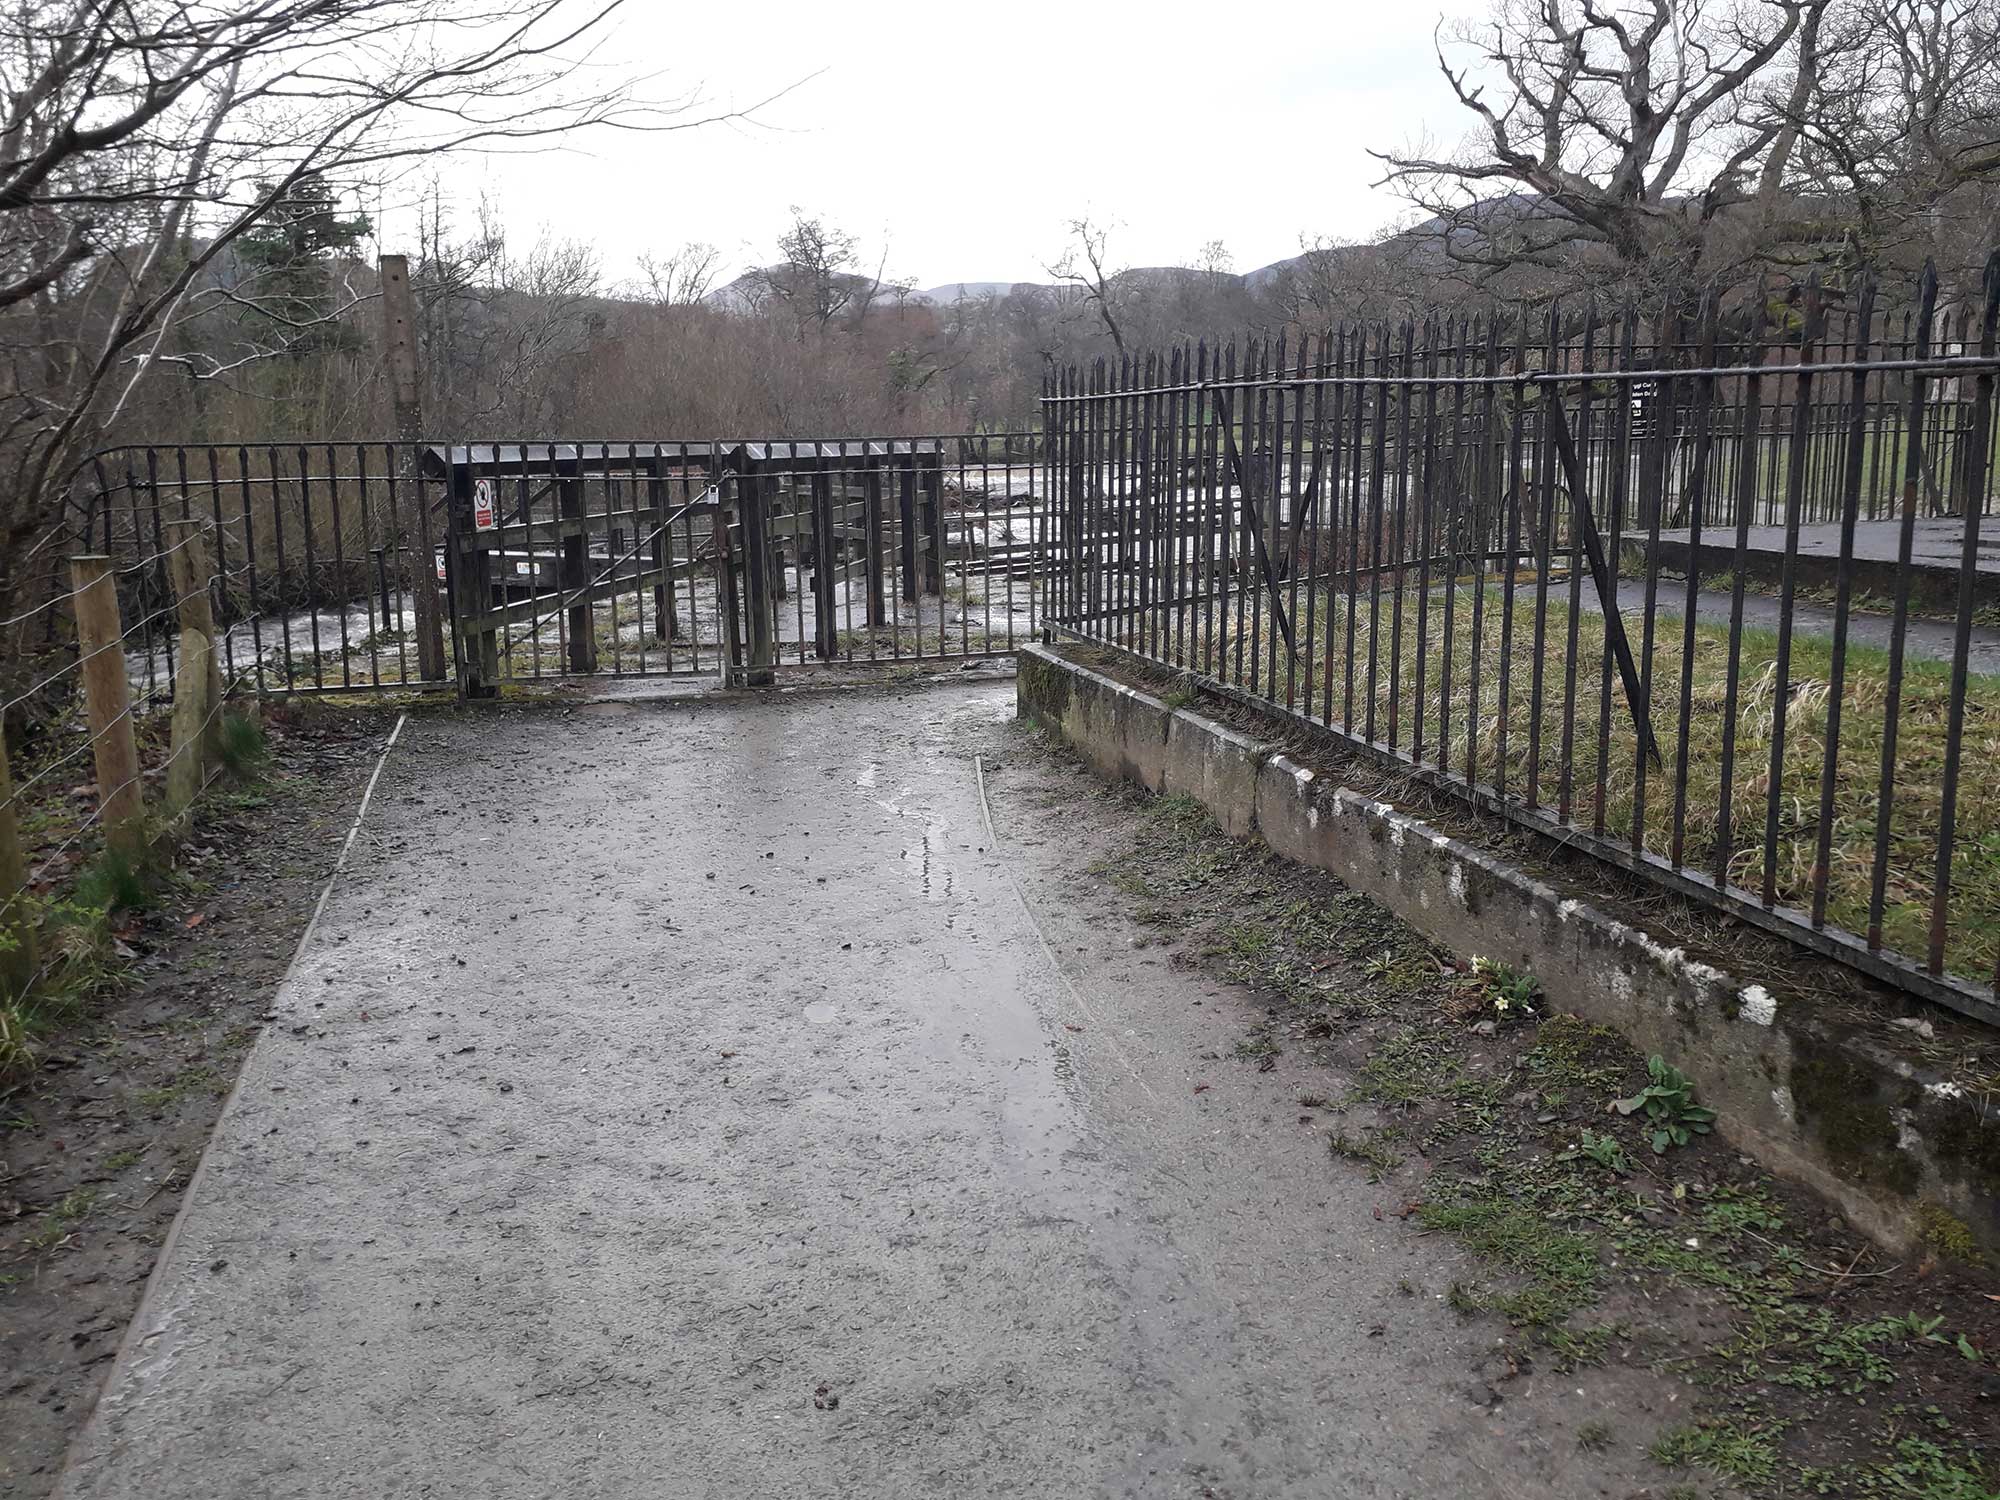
<point x="1714" y="608"/>
<point x="46" y="861"/>
<point x="100" y="715"/>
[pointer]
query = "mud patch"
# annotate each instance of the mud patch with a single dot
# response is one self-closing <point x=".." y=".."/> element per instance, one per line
<point x="97" y="1145"/>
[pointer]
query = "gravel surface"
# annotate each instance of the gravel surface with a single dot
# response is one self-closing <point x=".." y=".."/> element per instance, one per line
<point x="684" y="1101"/>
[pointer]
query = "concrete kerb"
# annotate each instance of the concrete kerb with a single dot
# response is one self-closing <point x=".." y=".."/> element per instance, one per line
<point x="1118" y="731"/>
<point x="1216" y="766"/>
<point x="1932" y="587"/>
<point x="1896" y="1145"/>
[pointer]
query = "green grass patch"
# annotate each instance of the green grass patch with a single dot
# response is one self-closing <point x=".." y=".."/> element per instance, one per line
<point x="58" y="1222"/>
<point x="114" y="881"/>
<point x="1573" y="1055"/>
<point x="1366" y="1149"/>
<point x="1418" y="1067"/>
<point x="1733" y="1448"/>
<point x="1596" y="1435"/>
<point x="1561" y="1265"/>
<point x="1808" y="1348"/>
<point x="1913" y="1468"/>
<point x="1491" y="736"/>
<point x="192" y="1081"/>
<point x="244" y="750"/>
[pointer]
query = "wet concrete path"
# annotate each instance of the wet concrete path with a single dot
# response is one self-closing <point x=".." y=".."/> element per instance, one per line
<point x="1924" y="639"/>
<point x="684" y="1103"/>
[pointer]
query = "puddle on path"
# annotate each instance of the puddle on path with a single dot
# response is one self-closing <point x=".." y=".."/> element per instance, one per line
<point x="821" y="1011"/>
<point x="936" y="879"/>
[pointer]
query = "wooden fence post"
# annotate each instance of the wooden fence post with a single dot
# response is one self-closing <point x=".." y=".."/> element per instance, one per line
<point x="753" y="505"/>
<point x="906" y="524"/>
<point x="413" y="519"/>
<point x="197" y="726"/>
<point x="17" y="927"/>
<point x="107" y="699"/>
<point x="727" y="594"/>
<point x="876" y="547"/>
<point x="187" y="767"/>
<point x="665" y="627"/>
<point x="197" y="612"/>
<point x="826" y="563"/>
<point x="933" y="479"/>
<point x="573" y="568"/>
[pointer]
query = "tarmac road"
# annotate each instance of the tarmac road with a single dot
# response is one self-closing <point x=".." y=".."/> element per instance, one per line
<point x="683" y="1102"/>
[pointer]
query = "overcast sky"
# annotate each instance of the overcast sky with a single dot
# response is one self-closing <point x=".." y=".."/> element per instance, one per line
<point x="964" y="139"/>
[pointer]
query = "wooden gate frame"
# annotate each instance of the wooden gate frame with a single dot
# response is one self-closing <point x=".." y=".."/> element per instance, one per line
<point x="479" y="612"/>
<point x="748" y="532"/>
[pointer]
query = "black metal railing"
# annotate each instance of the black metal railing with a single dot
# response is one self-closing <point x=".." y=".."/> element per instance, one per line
<point x="320" y="551"/>
<point x="892" y="551"/>
<point x="371" y="566"/>
<point x="1714" y="607"/>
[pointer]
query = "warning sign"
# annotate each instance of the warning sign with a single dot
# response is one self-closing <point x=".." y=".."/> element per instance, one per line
<point x="483" y="518"/>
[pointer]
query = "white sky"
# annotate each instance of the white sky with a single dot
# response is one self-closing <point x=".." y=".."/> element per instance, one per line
<point x="964" y="139"/>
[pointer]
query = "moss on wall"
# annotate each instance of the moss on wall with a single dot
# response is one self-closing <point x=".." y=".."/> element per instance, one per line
<point x="1844" y="1107"/>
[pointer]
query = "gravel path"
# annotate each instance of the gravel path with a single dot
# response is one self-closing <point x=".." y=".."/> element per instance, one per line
<point x="683" y="1102"/>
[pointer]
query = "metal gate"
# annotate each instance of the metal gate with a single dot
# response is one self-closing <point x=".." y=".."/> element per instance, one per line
<point x="358" y="567"/>
<point x="906" y="551"/>
<point x="744" y="560"/>
<point x="581" y="558"/>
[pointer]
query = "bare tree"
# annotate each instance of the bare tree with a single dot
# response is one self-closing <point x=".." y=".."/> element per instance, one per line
<point x="504" y="331"/>
<point x="1085" y="265"/>
<point x="1898" y="134"/>
<point x="899" y="289"/>
<point x="814" y="279"/>
<point x="1335" y="281"/>
<point x="140" y="141"/>
<point x="680" y="278"/>
<point x="1215" y="264"/>
<point x="1610" y="135"/>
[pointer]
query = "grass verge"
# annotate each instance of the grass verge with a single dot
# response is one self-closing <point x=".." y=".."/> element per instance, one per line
<point x="1582" y="758"/>
<point x="1817" y="1368"/>
<point x="82" y="890"/>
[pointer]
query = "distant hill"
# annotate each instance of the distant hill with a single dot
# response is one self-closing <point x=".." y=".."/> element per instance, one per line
<point x="746" y="290"/>
<point x="743" y="292"/>
<point x="750" y="290"/>
<point x="960" y="291"/>
<point x="953" y="291"/>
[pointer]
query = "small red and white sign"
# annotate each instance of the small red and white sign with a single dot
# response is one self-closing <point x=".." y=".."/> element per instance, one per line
<point x="483" y="518"/>
<point x="439" y="556"/>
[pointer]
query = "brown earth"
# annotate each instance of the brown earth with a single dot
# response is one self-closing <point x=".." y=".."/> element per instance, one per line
<point x="1812" y="1363"/>
<point x="98" y="1142"/>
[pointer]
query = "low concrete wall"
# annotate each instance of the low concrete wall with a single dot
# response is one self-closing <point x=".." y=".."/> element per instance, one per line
<point x="1118" y="732"/>
<point x="1818" y="1100"/>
